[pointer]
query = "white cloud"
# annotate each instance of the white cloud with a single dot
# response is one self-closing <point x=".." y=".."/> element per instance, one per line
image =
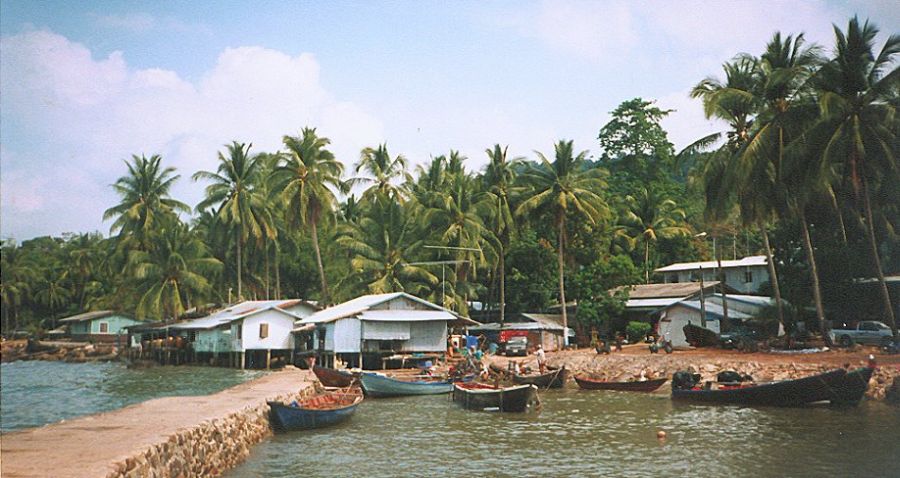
<point x="98" y="112"/>
<point x="686" y="123"/>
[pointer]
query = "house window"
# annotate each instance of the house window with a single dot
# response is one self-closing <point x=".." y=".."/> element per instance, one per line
<point x="104" y="327"/>
<point x="748" y="276"/>
<point x="263" y="330"/>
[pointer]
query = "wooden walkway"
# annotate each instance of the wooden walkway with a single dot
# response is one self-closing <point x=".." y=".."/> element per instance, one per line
<point x="88" y="446"/>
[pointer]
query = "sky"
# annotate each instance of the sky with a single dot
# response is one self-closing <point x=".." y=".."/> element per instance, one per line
<point x="85" y="85"/>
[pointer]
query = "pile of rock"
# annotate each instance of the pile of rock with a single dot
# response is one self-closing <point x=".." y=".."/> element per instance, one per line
<point x="208" y="450"/>
<point x="75" y="352"/>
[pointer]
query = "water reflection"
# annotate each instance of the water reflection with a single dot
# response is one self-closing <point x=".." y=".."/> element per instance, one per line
<point x="37" y="393"/>
<point x="588" y="434"/>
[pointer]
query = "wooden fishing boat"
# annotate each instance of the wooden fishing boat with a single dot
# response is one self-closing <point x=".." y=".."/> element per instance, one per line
<point x="315" y="412"/>
<point x="553" y="379"/>
<point x="699" y="336"/>
<point x="376" y="385"/>
<point x="854" y="387"/>
<point x="785" y="393"/>
<point x="587" y="383"/>
<point x="481" y="396"/>
<point x="333" y="378"/>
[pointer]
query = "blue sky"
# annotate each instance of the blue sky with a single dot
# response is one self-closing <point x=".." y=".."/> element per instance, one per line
<point x="84" y="85"/>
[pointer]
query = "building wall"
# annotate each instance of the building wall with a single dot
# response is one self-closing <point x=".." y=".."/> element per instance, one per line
<point x="213" y="340"/>
<point x="116" y="322"/>
<point x="430" y="336"/>
<point x="80" y="328"/>
<point x="279" y="336"/>
<point x="347" y="335"/>
<point x="735" y="277"/>
<point x="675" y="318"/>
<point x="301" y="309"/>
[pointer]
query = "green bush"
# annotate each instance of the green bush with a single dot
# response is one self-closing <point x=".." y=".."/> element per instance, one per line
<point x="637" y="331"/>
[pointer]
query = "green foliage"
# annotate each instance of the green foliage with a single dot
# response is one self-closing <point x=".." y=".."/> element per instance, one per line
<point x="635" y="145"/>
<point x="636" y="331"/>
<point x="601" y="291"/>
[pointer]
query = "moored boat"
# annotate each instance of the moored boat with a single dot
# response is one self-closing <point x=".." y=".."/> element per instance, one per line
<point x="854" y="387"/>
<point x="481" y="396"/>
<point x="699" y="336"/>
<point x="587" y="383"/>
<point x="376" y="385"/>
<point x="785" y="393"/>
<point x="333" y="378"/>
<point x="319" y="411"/>
<point x="552" y="379"/>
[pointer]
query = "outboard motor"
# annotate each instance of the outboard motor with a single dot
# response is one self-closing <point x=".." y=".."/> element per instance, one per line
<point x="729" y="376"/>
<point x="684" y="380"/>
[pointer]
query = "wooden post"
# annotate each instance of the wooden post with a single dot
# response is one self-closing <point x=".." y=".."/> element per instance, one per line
<point x="243" y="363"/>
<point x="268" y="358"/>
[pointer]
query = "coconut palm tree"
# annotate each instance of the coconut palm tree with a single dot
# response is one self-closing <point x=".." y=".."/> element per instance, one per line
<point x="562" y="188"/>
<point x="381" y="243"/>
<point x="235" y="193"/>
<point x="650" y="216"/>
<point x="499" y="177"/>
<point x="173" y="273"/>
<point x="307" y="179"/>
<point x="384" y="171"/>
<point x="858" y="121"/>
<point x="145" y="200"/>
<point x="16" y="276"/>
<point x="53" y="292"/>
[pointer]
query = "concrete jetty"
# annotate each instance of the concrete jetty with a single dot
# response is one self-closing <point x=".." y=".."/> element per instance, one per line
<point x="172" y="436"/>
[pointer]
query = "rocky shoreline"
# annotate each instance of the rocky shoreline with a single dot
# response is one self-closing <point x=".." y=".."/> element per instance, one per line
<point x="72" y="352"/>
<point x="884" y="386"/>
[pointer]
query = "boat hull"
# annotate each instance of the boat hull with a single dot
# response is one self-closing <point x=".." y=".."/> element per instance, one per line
<point x="333" y="378"/>
<point x="700" y="337"/>
<point x="553" y="379"/>
<point x="786" y="393"/>
<point x="851" y="392"/>
<point x="380" y="386"/>
<point x="286" y="418"/>
<point x="475" y="396"/>
<point x="645" y="386"/>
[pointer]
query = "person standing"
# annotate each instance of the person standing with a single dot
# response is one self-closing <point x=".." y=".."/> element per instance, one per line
<point x="541" y="358"/>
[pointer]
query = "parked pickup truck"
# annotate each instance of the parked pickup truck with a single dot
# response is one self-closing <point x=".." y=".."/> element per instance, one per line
<point x="866" y="332"/>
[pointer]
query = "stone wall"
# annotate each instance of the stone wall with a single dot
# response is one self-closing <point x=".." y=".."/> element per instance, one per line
<point x="206" y="450"/>
<point x="624" y="368"/>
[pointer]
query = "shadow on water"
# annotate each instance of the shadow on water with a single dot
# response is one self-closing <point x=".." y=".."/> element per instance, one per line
<point x="37" y="393"/>
<point x="580" y="433"/>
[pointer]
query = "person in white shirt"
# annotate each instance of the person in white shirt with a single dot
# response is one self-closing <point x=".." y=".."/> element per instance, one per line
<point x="541" y="358"/>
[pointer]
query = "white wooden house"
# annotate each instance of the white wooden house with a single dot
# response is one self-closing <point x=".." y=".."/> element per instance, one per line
<point x="740" y="308"/>
<point x="746" y="275"/>
<point x="381" y="325"/>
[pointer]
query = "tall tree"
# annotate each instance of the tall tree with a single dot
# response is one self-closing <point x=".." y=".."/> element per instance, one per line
<point x="651" y="216"/>
<point x="146" y="203"/>
<point x="235" y="193"/>
<point x="858" y="121"/>
<point x="565" y="186"/>
<point x="386" y="173"/>
<point x="306" y="180"/>
<point x="172" y="274"/>
<point x="499" y="177"/>
<point x="16" y="277"/>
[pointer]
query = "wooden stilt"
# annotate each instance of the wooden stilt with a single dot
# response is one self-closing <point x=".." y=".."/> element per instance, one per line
<point x="243" y="363"/>
<point x="268" y="359"/>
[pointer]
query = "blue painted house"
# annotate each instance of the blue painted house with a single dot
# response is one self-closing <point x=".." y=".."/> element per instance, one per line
<point x="98" y="326"/>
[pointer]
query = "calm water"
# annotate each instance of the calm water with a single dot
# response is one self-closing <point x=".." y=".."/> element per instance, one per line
<point x="36" y="393"/>
<point x="588" y="434"/>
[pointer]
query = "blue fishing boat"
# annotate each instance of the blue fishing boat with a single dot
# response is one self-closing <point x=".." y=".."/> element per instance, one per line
<point x="376" y="385"/>
<point x="319" y="411"/>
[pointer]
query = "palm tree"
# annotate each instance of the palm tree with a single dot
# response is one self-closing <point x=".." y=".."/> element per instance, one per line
<point x="52" y="292"/>
<point x="173" y="273"/>
<point x="565" y="186"/>
<point x="145" y="200"/>
<point x="499" y="176"/>
<point x="858" y="120"/>
<point x="306" y="180"/>
<point x="377" y="162"/>
<point x="381" y="242"/>
<point x="16" y="276"/>
<point x="650" y="216"/>
<point x="234" y="191"/>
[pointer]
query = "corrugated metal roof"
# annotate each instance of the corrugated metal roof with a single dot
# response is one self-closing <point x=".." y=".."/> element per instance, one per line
<point x="687" y="266"/>
<point x="405" y="315"/>
<point x="651" y="303"/>
<point x="550" y="320"/>
<point x="364" y="303"/>
<point x="749" y="299"/>
<point x="715" y="309"/>
<point x="672" y="290"/>
<point x="97" y="314"/>
<point x="235" y="312"/>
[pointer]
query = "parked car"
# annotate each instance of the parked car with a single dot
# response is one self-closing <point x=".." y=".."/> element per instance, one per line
<point x="865" y="332"/>
<point x="517" y="346"/>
